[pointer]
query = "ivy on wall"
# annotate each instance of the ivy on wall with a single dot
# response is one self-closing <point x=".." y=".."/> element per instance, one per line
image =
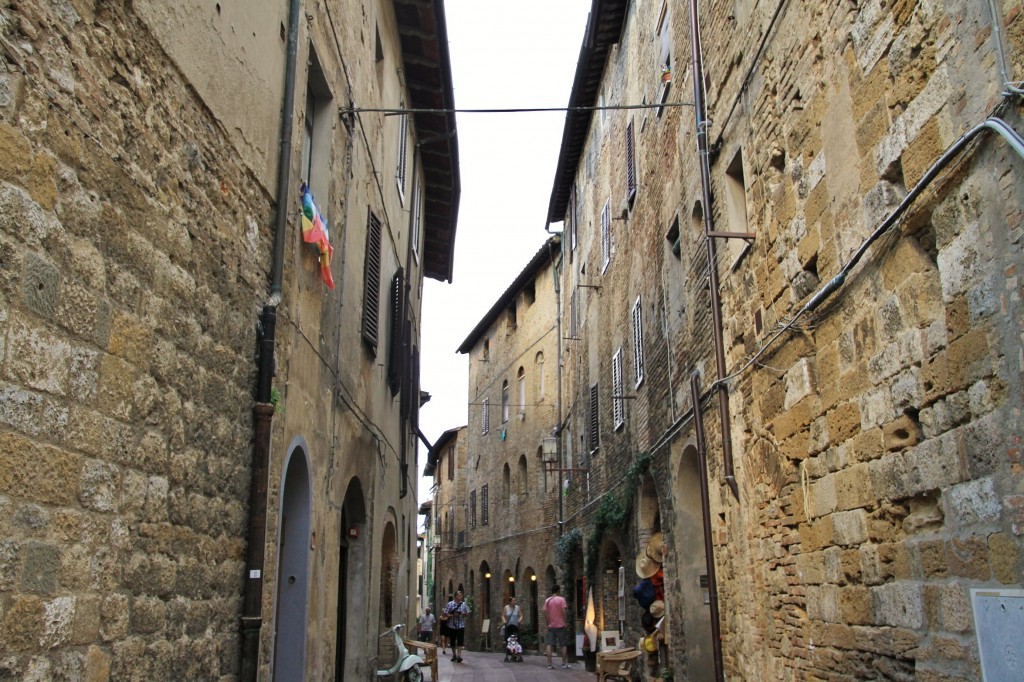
<point x="612" y="514"/>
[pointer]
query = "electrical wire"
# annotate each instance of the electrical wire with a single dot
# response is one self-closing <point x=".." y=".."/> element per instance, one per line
<point x="507" y="110"/>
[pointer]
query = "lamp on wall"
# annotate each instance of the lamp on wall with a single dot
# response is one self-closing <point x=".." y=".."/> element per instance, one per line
<point x="487" y="575"/>
<point x="511" y="578"/>
<point x="533" y="578"/>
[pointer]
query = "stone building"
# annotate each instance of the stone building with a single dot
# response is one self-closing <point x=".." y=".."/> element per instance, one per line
<point x="498" y="505"/>
<point x="849" y="366"/>
<point x="207" y="451"/>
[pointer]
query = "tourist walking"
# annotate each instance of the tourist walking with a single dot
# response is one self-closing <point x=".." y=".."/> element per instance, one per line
<point x="554" y="612"/>
<point x="457" y="610"/>
<point x="427" y="621"/>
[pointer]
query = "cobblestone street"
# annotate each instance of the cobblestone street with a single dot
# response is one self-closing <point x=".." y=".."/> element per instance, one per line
<point x="480" y="666"/>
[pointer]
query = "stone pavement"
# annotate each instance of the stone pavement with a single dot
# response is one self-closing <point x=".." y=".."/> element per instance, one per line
<point x="481" y="666"/>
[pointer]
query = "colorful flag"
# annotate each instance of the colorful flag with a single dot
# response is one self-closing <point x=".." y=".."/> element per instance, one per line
<point x="314" y="231"/>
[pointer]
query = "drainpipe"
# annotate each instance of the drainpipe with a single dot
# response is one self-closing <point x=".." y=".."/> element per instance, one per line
<point x="700" y="109"/>
<point x="705" y="513"/>
<point x="263" y="410"/>
<point x="556" y="276"/>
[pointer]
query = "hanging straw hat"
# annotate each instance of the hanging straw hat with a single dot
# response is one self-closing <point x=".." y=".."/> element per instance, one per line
<point x="645" y="565"/>
<point x="656" y="547"/>
<point x="657" y="608"/>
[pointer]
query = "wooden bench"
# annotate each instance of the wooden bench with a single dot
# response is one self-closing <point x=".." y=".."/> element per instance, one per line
<point x="427" y="651"/>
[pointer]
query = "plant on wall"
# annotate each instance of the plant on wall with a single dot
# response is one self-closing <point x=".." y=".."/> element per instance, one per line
<point x="614" y="512"/>
<point x="565" y="547"/>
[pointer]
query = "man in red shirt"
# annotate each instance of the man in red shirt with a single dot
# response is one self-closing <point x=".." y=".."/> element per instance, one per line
<point x="554" y="611"/>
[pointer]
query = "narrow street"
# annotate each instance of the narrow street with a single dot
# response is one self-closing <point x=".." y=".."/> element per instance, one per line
<point x="479" y="666"/>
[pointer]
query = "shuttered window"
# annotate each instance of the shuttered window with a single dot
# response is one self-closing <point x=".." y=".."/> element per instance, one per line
<point x="396" y="346"/>
<point x="371" y="283"/>
<point x="606" y="235"/>
<point x="638" y="341"/>
<point x="618" y="404"/>
<point x="573" y="221"/>
<point x="472" y="509"/>
<point x="593" y="422"/>
<point x="417" y="220"/>
<point x="486" y="416"/>
<point x="630" y="164"/>
<point x="483" y="506"/>
<point x="403" y="145"/>
<point x="573" y="315"/>
<point x="451" y="464"/>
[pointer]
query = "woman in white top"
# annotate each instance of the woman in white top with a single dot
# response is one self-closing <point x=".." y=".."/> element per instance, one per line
<point x="510" y="617"/>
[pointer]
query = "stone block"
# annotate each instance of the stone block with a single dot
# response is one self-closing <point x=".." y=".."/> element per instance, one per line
<point x="23" y="621"/>
<point x="969" y="558"/>
<point x="876" y="407"/>
<point x="130" y="340"/>
<point x="823" y="604"/>
<point x="955" y="608"/>
<point x="40" y="285"/>
<point x="97" y="665"/>
<point x="907" y="390"/>
<point x="799" y="383"/>
<point x="37" y="472"/>
<point x="922" y="152"/>
<point x="147" y="615"/>
<point x="853" y="487"/>
<point x="855" y="604"/>
<point x="821" y="498"/>
<point x="899" y="434"/>
<point x="1004" y="556"/>
<point x="931" y="557"/>
<point x="844" y="421"/>
<point x="850" y="527"/>
<point x="982" y="446"/>
<point x="114" y="391"/>
<point x="971" y="503"/>
<point x="38" y="357"/>
<point x="898" y="604"/>
<point x="100" y="486"/>
<point x="58" y="622"/>
<point x="20" y="409"/>
<point x="40" y="567"/>
<point x="810" y="569"/>
<point x="114" y="617"/>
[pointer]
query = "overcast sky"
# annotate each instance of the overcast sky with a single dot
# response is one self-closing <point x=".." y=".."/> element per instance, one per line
<point x="518" y="54"/>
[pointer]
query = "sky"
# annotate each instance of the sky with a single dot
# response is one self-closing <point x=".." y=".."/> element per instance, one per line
<point x="518" y="54"/>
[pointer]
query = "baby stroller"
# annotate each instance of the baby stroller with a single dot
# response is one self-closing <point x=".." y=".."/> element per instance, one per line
<point x="513" y="649"/>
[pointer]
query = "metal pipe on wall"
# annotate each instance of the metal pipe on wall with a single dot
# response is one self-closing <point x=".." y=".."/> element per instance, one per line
<point x="700" y="110"/>
<point x="705" y="513"/>
<point x="263" y="411"/>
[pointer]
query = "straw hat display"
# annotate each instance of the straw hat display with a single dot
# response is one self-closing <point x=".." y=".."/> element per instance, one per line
<point x="646" y="566"/>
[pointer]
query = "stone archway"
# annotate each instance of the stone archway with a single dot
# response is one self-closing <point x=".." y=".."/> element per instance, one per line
<point x="352" y="572"/>
<point x="691" y="569"/>
<point x="293" y="570"/>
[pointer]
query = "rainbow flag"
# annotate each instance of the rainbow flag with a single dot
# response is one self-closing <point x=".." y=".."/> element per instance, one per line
<point x="314" y="231"/>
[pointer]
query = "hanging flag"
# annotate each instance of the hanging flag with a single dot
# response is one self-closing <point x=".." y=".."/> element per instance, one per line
<point x="314" y="231"/>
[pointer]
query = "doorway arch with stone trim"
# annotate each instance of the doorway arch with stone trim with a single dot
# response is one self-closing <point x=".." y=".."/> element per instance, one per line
<point x="353" y="569"/>
<point x="293" y="547"/>
<point x="688" y="595"/>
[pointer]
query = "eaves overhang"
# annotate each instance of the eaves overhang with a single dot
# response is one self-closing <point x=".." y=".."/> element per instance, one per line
<point x="435" y="452"/>
<point x="544" y="255"/>
<point x="423" y="32"/>
<point x="604" y="27"/>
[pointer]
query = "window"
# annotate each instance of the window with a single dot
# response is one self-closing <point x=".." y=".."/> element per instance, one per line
<point x="472" y="509"/>
<point x="486" y="416"/>
<point x="539" y="361"/>
<point x="511" y="316"/>
<point x="403" y="146"/>
<point x="573" y="314"/>
<point x="417" y="220"/>
<point x="504" y="401"/>
<point x="665" y="59"/>
<point x="371" y="283"/>
<point x="638" y="341"/>
<point x="522" y="475"/>
<point x="594" y="426"/>
<point x="437" y="526"/>
<point x="530" y="293"/>
<point x="396" y="347"/>
<point x="631" y="184"/>
<point x="606" y="235"/>
<point x="573" y="220"/>
<point x="486" y="355"/>
<point x="736" y="203"/>
<point x="316" y="135"/>
<point x="521" y="378"/>
<point x="506" y="482"/>
<point x="483" y="506"/>
<point x="618" y="403"/>
<point x="451" y="464"/>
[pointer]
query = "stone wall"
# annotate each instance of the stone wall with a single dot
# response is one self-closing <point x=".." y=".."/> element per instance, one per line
<point x="133" y="253"/>
<point x="876" y="439"/>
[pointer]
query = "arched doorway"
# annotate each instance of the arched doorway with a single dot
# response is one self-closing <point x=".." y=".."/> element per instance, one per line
<point x="611" y="615"/>
<point x="692" y="568"/>
<point x="388" y="574"/>
<point x="293" y="570"/>
<point x="351" y="571"/>
<point x="530" y="579"/>
<point x="485" y="590"/>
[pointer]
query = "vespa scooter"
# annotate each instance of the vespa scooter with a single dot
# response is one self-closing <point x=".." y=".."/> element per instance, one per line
<point x="406" y="666"/>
